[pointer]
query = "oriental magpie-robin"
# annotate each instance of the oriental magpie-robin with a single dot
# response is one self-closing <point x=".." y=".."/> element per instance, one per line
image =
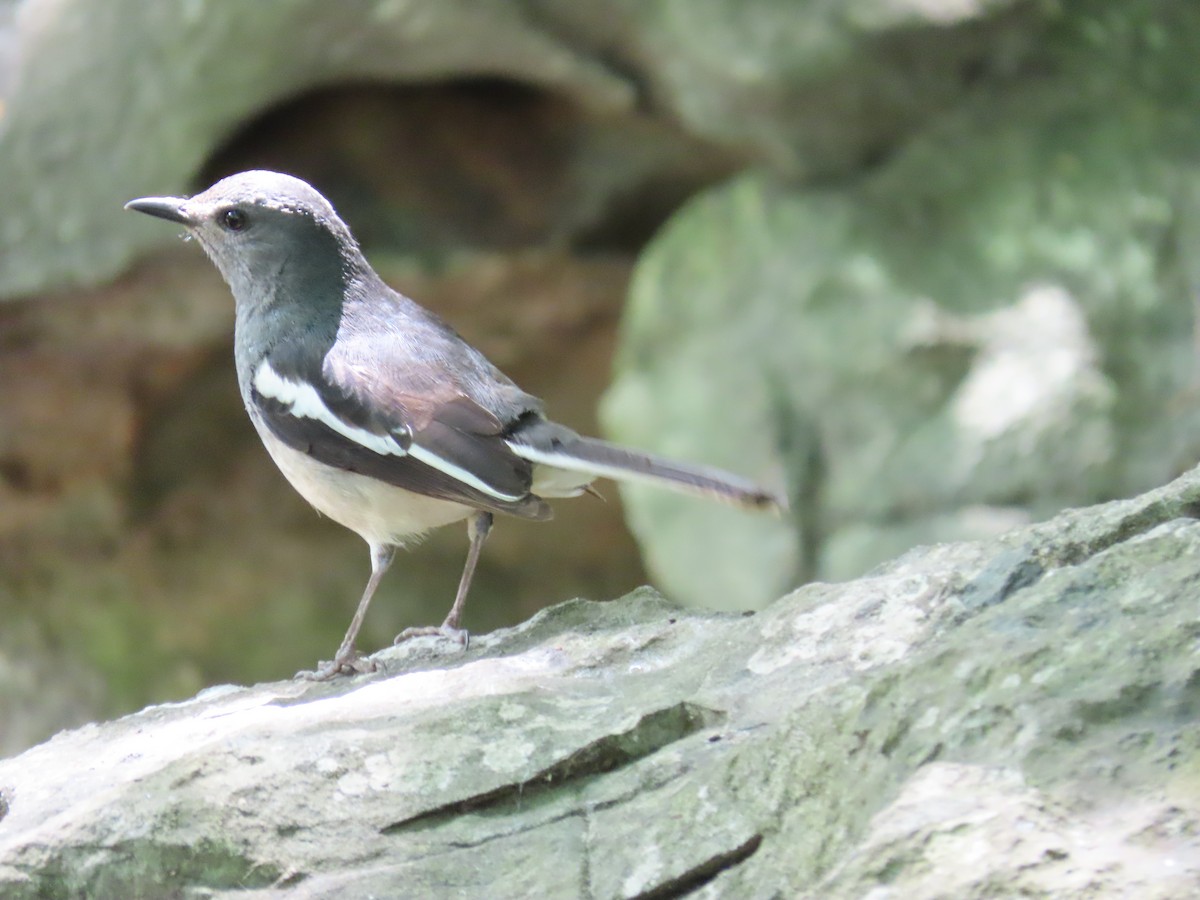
<point x="375" y="410"/>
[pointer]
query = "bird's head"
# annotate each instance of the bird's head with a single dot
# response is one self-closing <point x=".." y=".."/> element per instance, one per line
<point x="261" y="229"/>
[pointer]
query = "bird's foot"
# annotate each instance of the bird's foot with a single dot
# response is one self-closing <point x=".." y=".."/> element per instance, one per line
<point x="352" y="663"/>
<point x="459" y="635"/>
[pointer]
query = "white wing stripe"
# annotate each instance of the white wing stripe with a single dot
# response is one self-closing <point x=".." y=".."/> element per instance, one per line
<point x="458" y="473"/>
<point x="305" y="403"/>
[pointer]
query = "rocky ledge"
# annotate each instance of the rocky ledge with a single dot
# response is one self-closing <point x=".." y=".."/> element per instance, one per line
<point x="1002" y="718"/>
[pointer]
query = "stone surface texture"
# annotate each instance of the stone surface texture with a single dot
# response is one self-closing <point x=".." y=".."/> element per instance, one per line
<point x="994" y="321"/>
<point x="1013" y="717"/>
<point x="147" y="94"/>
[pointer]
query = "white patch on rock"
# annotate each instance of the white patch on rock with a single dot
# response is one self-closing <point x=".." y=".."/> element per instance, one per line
<point x="646" y="874"/>
<point x="878" y="624"/>
<point x="506" y="756"/>
<point x="1037" y="366"/>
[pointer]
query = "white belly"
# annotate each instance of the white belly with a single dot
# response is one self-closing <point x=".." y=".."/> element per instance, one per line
<point x="378" y="512"/>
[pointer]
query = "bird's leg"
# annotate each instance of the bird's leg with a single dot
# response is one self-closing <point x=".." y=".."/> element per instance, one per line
<point x="347" y="660"/>
<point x="477" y="528"/>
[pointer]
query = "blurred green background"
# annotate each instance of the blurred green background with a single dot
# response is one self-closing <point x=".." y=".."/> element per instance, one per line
<point x="927" y="266"/>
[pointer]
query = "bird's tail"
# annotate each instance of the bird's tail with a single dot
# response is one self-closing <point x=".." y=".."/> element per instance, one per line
<point x="575" y="456"/>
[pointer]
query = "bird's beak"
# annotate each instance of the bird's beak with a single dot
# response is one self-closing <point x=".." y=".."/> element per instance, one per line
<point x="169" y="208"/>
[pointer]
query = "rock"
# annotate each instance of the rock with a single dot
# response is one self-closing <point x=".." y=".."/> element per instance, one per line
<point x="818" y="90"/>
<point x="435" y="170"/>
<point x="986" y="719"/>
<point x="149" y="97"/>
<point x="994" y="324"/>
<point x="971" y="831"/>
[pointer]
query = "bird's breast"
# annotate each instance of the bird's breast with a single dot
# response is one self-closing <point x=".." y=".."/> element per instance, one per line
<point x="378" y="512"/>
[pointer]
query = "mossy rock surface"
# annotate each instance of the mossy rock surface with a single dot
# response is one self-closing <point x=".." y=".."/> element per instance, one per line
<point x="1034" y="695"/>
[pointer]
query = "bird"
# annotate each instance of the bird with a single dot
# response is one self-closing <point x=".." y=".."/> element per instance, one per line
<point x="375" y="410"/>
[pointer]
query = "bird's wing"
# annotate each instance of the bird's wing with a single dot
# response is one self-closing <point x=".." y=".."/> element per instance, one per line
<point x="429" y="439"/>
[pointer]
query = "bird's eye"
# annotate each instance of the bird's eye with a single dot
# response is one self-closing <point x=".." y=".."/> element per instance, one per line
<point x="233" y="219"/>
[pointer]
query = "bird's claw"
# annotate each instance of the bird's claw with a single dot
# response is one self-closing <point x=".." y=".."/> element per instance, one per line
<point x="353" y="663"/>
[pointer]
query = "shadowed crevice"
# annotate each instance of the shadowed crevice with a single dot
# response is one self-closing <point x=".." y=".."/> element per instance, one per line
<point x="650" y="734"/>
<point x="698" y="876"/>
